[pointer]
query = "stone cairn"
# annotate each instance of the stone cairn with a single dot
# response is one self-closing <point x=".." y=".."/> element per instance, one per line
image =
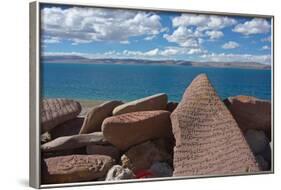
<point x="152" y="138"/>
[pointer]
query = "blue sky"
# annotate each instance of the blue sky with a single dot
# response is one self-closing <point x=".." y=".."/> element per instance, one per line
<point x="117" y="33"/>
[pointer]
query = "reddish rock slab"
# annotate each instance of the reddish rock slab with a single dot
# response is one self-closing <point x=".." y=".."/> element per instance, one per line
<point x="75" y="168"/>
<point x="96" y="115"/>
<point x="107" y="150"/>
<point x="126" y="130"/>
<point x="56" y="111"/>
<point x="208" y="139"/>
<point x="250" y="113"/>
<point x="68" y="128"/>
<point x="73" y="142"/>
<point x="154" y="102"/>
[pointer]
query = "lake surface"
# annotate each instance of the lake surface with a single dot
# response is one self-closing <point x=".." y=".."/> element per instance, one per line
<point x="129" y="82"/>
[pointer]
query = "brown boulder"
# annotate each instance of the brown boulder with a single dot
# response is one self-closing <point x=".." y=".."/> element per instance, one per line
<point x="56" y="111"/>
<point x="133" y="128"/>
<point x="208" y="140"/>
<point x="250" y="113"/>
<point x="75" y="168"/>
<point x="68" y="128"/>
<point x="142" y="156"/>
<point x="107" y="150"/>
<point x="154" y="102"/>
<point x="95" y="116"/>
<point x="74" y="141"/>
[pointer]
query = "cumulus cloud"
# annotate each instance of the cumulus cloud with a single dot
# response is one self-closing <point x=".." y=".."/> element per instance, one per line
<point x="213" y="34"/>
<point x="85" y="25"/>
<point x="254" y="26"/>
<point x="203" y="22"/>
<point x="51" y="40"/>
<point x="230" y="45"/>
<point x="184" y="36"/>
<point x="223" y="57"/>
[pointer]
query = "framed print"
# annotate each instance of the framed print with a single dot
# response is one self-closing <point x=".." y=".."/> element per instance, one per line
<point x="133" y="94"/>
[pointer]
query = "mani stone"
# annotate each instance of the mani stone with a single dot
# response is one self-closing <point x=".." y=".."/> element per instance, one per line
<point x="142" y="156"/>
<point x="75" y="168"/>
<point x="155" y="102"/>
<point x="117" y="172"/>
<point x="74" y="141"/>
<point x="126" y="130"/>
<point x="57" y="111"/>
<point x="251" y="113"/>
<point x="68" y="128"/>
<point x="107" y="150"/>
<point x="95" y="116"/>
<point x="208" y="140"/>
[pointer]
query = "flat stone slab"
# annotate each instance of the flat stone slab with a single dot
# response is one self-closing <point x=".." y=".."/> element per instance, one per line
<point x="74" y="141"/>
<point x="251" y="113"/>
<point x="126" y="130"/>
<point x="56" y="111"/>
<point x="96" y="115"/>
<point x="75" y="168"/>
<point x="155" y="102"/>
<point x="68" y="128"/>
<point x="208" y="139"/>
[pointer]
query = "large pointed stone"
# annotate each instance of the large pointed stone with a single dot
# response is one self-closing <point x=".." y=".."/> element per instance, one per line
<point x="75" y="168"/>
<point x="73" y="142"/>
<point x="154" y="102"/>
<point x="208" y="140"/>
<point x="129" y="129"/>
<point x="56" y="111"/>
<point x="95" y="117"/>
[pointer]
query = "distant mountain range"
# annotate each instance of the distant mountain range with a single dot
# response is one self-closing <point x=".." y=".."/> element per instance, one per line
<point x="79" y="59"/>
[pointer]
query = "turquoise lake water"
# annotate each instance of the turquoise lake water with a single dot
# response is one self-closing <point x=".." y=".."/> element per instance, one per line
<point x="129" y="82"/>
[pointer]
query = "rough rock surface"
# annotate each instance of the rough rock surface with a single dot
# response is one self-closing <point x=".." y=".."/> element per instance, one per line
<point x="95" y="116"/>
<point x="72" y="142"/>
<point x="75" y="168"/>
<point x="68" y="128"/>
<point x="257" y="140"/>
<point x="142" y="156"/>
<point x="133" y="128"/>
<point x="155" y="102"/>
<point x="45" y="137"/>
<point x="117" y="172"/>
<point x="56" y="111"/>
<point x="161" y="169"/>
<point x="107" y="150"/>
<point x="250" y="113"/>
<point x="208" y="140"/>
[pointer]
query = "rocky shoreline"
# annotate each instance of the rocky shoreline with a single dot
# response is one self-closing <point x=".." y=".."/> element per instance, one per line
<point x="152" y="137"/>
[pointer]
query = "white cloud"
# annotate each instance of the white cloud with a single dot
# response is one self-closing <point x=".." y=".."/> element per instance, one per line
<point x="267" y="39"/>
<point x="255" y="26"/>
<point x="264" y="59"/>
<point x="265" y="48"/>
<point x="184" y="37"/>
<point x="51" y="40"/>
<point x="85" y="25"/>
<point x="230" y="45"/>
<point x="214" y="34"/>
<point x="203" y="22"/>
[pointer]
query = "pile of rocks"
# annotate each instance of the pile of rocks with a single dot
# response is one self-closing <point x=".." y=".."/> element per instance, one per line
<point x="151" y="137"/>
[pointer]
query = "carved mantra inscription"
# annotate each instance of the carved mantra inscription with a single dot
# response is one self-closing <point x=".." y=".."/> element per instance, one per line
<point x="208" y="140"/>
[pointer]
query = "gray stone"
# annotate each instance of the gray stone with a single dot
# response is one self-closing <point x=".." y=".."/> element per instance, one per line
<point x="117" y="172"/>
<point x="108" y="150"/>
<point x="263" y="164"/>
<point x="257" y="140"/>
<point x="161" y="169"/>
